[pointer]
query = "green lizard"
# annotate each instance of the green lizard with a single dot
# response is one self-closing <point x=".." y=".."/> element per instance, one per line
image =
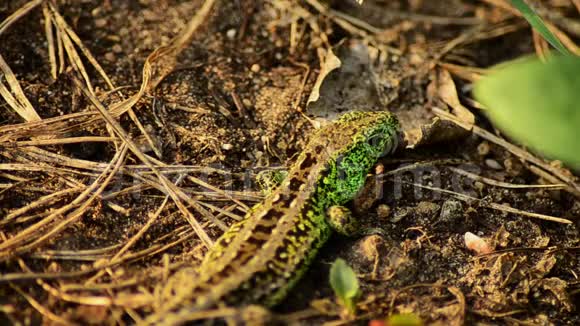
<point x="259" y="259"/>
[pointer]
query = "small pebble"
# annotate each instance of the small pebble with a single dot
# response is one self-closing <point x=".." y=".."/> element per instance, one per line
<point x="247" y="103"/>
<point x="117" y="48"/>
<point x="483" y="149"/>
<point x="255" y="67"/>
<point x="113" y="38"/>
<point x="110" y="56"/>
<point x="427" y="208"/>
<point x="513" y="166"/>
<point x="95" y="12"/>
<point x="100" y="23"/>
<point x="231" y="33"/>
<point x="493" y="164"/>
<point x="451" y="210"/>
<point x="383" y="211"/>
<point x="399" y="214"/>
<point x="477" y="244"/>
<point x="227" y="147"/>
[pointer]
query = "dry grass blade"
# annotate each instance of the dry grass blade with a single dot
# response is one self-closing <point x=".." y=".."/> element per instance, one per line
<point x="117" y="160"/>
<point x="166" y="54"/>
<point x="41" y="155"/>
<point x="70" y="50"/>
<point x="419" y="165"/>
<point x="253" y="196"/>
<point x="169" y="187"/>
<point x="50" y="41"/>
<point x="364" y="30"/>
<point x="184" y="197"/>
<point x="502" y="184"/>
<point x="136" y="237"/>
<point x="568" y="43"/>
<point x="16" y="245"/>
<point x="39" y="167"/>
<point x="184" y="316"/>
<point x="152" y="250"/>
<point x="117" y="257"/>
<point x="19" y="102"/>
<point x="108" y="232"/>
<point x="148" y="137"/>
<point x="87" y="300"/>
<point x="21" y="167"/>
<point x="61" y="141"/>
<point x="477" y="34"/>
<point x="42" y="201"/>
<point x="219" y="191"/>
<point x="46" y="127"/>
<point x="495" y="206"/>
<point x="18" y="14"/>
<point x="222" y="212"/>
<point x="142" y="231"/>
<point x="49" y="315"/>
<point x="76" y="257"/>
<point x="560" y="174"/>
<point x="471" y="74"/>
<point x="78" y="166"/>
<point x="60" y="48"/>
<point x="65" y="28"/>
<point x="540" y="46"/>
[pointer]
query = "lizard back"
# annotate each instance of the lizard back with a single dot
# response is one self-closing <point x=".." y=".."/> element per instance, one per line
<point x="260" y="258"/>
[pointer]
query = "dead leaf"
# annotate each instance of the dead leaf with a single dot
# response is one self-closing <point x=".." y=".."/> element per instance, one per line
<point x="331" y="62"/>
<point x="448" y="93"/>
<point x="437" y="131"/>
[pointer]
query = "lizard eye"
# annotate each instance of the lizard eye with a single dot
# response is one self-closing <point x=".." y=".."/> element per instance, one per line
<point x="374" y="140"/>
<point x="382" y="143"/>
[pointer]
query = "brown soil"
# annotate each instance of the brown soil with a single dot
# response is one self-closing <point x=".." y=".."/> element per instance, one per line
<point x="232" y="101"/>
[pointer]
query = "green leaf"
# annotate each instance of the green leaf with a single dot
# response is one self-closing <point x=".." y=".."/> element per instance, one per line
<point x="537" y="104"/>
<point x="538" y="24"/>
<point x="344" y="282"/>
<point x="404" y="320"/>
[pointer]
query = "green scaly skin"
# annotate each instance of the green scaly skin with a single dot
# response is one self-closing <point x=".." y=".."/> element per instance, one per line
<point x="259" y="259"/>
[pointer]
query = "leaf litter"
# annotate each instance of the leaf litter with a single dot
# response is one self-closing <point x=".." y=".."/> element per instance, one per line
<point x="132" y="135"/>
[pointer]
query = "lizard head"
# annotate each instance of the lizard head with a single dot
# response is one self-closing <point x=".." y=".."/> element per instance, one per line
<point x="354" y="143"/>
<point x="374" y="134"/>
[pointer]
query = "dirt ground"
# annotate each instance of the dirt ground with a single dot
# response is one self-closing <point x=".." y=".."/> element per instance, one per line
<point x="131" y="133"/>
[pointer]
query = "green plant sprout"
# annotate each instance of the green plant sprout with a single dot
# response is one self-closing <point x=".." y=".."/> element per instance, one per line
<point x="345" y="284"/>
